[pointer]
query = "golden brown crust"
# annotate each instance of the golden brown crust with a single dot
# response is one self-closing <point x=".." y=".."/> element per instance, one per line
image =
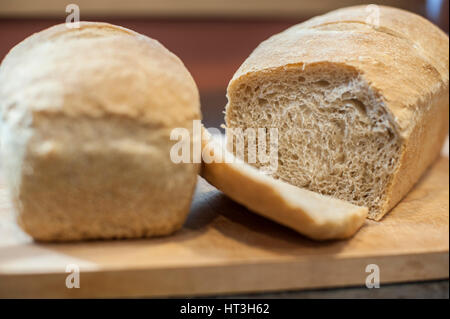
<point x="70" y="62"/>
<point x="419" y="151"/>
<point x="403" y="75"/>
<point x="425" y="37"/>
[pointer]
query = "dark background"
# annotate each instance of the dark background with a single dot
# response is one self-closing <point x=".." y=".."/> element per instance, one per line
<point x="211" y="37"/>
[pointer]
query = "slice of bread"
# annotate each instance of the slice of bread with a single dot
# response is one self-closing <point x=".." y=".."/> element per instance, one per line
<point x="316" y="216"/>
<point x="361" y="105"/>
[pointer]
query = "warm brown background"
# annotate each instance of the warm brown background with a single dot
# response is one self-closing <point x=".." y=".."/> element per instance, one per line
<point x="212" y="37"/>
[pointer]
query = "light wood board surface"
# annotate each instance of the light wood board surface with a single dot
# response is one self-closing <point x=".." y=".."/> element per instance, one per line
<point x="223" y="248"/>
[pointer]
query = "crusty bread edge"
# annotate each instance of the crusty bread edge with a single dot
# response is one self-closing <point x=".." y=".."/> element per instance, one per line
<point x="419" y="150"/>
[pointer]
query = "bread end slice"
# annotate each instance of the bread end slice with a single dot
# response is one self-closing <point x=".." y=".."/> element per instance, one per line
<point x="316" y="216"/>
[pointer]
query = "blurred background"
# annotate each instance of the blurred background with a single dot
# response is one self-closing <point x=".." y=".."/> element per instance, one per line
<point x="212" y="37"/>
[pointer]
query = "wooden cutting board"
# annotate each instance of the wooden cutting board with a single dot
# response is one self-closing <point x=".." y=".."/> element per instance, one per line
<point x="224" y="248"/>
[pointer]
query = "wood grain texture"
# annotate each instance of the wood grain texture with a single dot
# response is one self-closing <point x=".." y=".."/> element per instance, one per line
<point x="223" y="248"/>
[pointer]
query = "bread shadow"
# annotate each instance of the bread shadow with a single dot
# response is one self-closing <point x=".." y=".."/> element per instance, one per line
<point x="236" y="222"/>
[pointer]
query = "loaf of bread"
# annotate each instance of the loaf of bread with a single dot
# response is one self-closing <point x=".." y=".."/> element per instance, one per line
<point x="86" y="117"/>
<point x="361" y="102"/>
<point x="316" y="216"/>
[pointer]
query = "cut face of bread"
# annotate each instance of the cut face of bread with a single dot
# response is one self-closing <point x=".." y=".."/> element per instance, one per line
<point x="334" y="134"/>
<point x="316" y="216"/>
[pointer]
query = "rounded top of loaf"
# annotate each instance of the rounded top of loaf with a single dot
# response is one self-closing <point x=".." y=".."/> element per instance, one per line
<point x="98" y="70"/>
<point x="402" y="56"/>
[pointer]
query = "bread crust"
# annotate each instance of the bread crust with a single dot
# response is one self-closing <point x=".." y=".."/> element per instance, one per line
<point x="404" y="59"/>
<point x="419" y="151"/>
<point x="86" y="120"/>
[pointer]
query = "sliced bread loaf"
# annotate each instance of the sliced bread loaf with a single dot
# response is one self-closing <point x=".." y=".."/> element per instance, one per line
<point x="361" y="106"/>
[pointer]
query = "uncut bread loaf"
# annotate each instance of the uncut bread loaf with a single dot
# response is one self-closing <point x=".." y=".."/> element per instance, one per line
<point x="360" y="102"/>
<point x="86" y="116"/>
